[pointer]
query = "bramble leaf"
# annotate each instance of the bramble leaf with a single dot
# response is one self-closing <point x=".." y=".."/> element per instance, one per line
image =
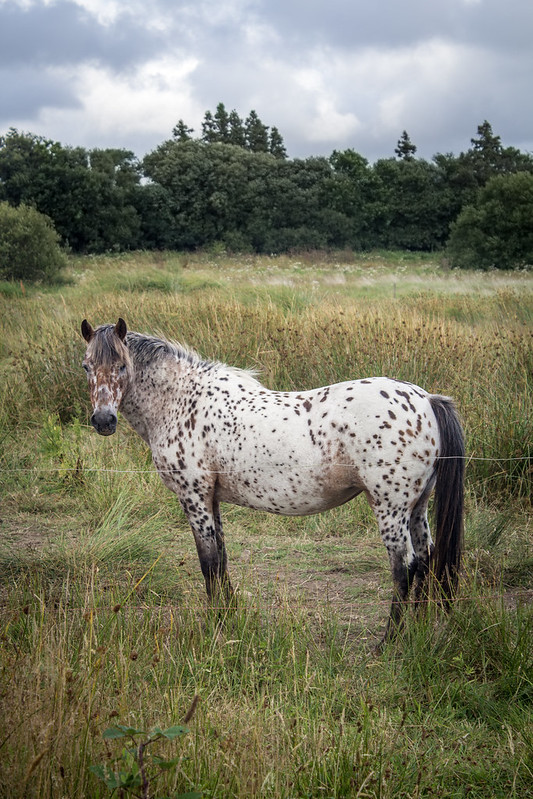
<point x="171" y="733"/>
<point x="166" y="765"/>
<point x="120" y="731"/>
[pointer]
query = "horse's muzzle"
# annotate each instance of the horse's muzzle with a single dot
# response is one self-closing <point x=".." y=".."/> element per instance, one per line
<point x="104" y="422"/>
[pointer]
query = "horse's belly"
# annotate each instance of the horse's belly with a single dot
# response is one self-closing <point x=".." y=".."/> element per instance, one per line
<point x="292" y="496"/>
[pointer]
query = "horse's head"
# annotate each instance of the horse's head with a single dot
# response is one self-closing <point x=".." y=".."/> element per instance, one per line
<point x="108" y="366"/>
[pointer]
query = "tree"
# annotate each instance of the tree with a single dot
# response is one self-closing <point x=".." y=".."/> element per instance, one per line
<point x="487" y="145"/>
<point x="181" y="132"/>
<point x="487" y="156"/>
<point x="228" y="128"/>
<point x="256" y="134"/>
<point x="87" y="194"/>
<point x="29" y="245"/>
<point x="350" y="192"/>
<point x="209" y="128"/>
<point x="222" y="124"/>
<point x="496" y="231"/>
<point x="23" y="157"/>
<point x="276" y="146"/>
<point x="154" y="207"/>
<point x="114" y="223"/>
<point x="237" y="134"/>
<point x="405" y="149"/>
<point x="247" y="200"/>
<point x="409" y="209"/>
<point x="207" y="186"/>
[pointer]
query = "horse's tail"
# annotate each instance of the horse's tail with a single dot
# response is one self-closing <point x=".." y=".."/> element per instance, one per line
<point x="446" y="559"/>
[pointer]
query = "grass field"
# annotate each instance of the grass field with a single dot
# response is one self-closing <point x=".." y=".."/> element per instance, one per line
<point x="103" y="619"/>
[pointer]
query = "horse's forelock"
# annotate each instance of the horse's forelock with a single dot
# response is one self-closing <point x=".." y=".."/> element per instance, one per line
<point x="107" y="348"/>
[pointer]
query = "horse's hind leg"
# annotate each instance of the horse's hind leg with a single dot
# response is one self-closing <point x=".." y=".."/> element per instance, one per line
<point x="394" y="528"/>
<point x="422" y="542"/>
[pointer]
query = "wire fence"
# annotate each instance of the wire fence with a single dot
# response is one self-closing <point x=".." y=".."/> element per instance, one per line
<point x="273" y="465"/>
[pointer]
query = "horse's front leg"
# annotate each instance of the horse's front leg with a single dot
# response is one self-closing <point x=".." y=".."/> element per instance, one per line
<point x="204" y="519"/>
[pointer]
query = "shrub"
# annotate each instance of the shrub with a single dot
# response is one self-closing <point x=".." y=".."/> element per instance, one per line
<point x="497" y="231"/>
<point x="29" y="245"/>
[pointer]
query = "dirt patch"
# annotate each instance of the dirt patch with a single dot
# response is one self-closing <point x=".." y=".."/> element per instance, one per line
<point x="359" y="604"/>
<point x="26" y="532"/>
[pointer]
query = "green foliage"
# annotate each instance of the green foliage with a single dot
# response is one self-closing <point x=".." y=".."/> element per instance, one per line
<point x="496" y="231"/>
<point x="29" y="245"/>
<point x="256" y="134"/>
<point x="228" y="128"/>
<point x="181" y="132"/>
<point x="234" y="184"/>
<point x="251" y="200"/>
<point x="89" y="195"/>
<point x="135" y="769"/>
<point x="488" y="157"/>
<point x="405" y="149"/>
<point x="409" y="210"/>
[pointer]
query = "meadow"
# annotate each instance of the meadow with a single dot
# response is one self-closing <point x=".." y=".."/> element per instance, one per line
<point x="103" y="618"/>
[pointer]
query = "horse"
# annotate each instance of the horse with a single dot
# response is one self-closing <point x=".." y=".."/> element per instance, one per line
<point x="217" y="435"/>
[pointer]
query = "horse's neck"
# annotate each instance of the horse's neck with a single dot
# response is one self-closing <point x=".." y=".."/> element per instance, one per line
<point x="148" y="398"/>
<point x="134" y="411"/>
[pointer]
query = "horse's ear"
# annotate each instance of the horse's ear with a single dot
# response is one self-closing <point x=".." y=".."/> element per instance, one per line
<point x="121" y="329"/>
<point x="87" y="330"/>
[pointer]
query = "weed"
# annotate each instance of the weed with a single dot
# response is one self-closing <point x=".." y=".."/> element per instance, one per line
<point x="135" y="769"/>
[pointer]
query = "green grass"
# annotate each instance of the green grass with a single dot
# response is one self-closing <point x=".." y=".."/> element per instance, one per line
<point x="103" y="619"/>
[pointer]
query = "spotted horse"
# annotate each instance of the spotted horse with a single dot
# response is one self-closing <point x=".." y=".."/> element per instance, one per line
<point x="217" y="435"/>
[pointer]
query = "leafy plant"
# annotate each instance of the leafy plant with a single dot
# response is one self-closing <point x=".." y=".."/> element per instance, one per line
<point x="135" y="768"/>
<point x="62" y="449"/>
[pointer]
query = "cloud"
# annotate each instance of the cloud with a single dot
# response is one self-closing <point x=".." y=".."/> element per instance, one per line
<point x="330" y="76"/>
<point x="63" y="33"/>
<point x="127" y="109"/>
<point x="24" y="90"/>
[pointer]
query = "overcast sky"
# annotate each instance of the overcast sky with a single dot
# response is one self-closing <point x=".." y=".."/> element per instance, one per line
<point x="330" y="74"/>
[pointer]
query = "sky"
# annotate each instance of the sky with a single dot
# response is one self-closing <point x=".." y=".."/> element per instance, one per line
<point x="329" y="74"/>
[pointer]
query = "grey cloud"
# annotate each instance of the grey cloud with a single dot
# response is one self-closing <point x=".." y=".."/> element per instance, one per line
<point x="389" y="23"/>
<point x="63" y="34"/>
<point x="23" y="92"/>
<point x="248" y="53"/>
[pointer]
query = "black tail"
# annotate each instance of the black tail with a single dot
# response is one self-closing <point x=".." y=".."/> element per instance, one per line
<point x="448" y="496"/>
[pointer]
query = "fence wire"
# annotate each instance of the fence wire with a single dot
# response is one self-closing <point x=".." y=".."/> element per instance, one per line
<point x="275" y="465"/>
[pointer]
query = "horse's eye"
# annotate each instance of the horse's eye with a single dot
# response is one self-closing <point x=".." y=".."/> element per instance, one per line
<point x="122" y="369"/>
<point x="85" y="367"/>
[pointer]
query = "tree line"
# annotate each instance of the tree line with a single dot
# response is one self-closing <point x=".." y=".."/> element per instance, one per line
<point x="233" y="184"/>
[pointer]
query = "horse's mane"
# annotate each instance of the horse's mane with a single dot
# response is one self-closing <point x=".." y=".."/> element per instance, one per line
<point x="145" y="349"/>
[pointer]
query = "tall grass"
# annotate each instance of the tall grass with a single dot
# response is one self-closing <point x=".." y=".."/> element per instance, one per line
<point x="291" y="708"/>
<point x="485" y="363"/>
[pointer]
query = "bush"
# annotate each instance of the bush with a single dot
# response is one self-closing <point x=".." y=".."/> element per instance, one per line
<point x="29" y="245"/>
<point x="497" y="231"/>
